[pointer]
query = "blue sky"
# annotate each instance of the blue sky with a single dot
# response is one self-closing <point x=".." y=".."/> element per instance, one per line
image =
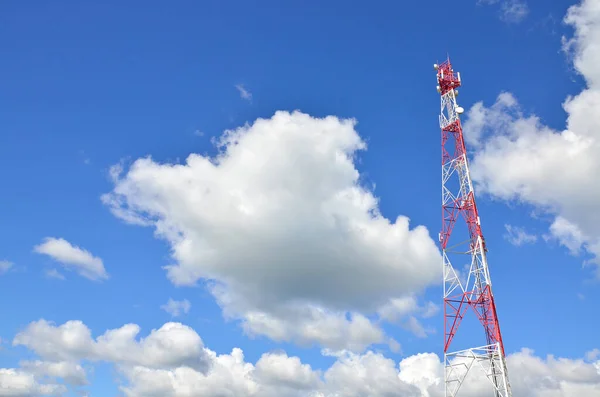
<point x="88" y="86"/>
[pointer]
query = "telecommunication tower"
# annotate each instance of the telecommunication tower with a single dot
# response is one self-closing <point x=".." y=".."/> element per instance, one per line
<point x="464" y="290"/>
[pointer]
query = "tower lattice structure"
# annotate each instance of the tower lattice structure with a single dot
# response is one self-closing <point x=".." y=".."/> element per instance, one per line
<point x="463" y="247"/>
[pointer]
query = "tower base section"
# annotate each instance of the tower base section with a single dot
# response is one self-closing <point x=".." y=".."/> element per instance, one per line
<point x="486" y="360"/>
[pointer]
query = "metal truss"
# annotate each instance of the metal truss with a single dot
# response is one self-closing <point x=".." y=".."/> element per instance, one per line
<point x="473" y="289"/>
<point x="488" y="359"/>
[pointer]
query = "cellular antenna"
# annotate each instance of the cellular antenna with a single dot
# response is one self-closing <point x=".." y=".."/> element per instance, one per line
<point x="462" y="243"/>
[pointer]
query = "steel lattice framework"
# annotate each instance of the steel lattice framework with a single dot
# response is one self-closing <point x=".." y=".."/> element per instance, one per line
<point x="464" y="290"/>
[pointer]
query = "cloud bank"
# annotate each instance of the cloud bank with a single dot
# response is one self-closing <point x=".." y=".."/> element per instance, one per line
<point x="172" y="361"/>
<point x="279" y="228"/>
<point x="518" y="158"/>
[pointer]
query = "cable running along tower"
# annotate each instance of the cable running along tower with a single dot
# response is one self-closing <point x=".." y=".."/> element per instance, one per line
<point x="464" y="249"/>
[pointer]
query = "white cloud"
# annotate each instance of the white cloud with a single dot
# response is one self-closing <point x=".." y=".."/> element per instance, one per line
<point x="86" y="160"/>
<point x="482" y="121"/>
<point x="244" y="92"/>
<point x="71" y="372"/>
<point x="402" y="311"/>
<point x="519" y="158"/>
<point x="398" y="308"/>
<point x="53" y="273"/>
<point x="415" y="326"/>
<point x="511" y="11"/>
<point x="280" y="226"/>
<point x="518" y="236"/>
<point x="277" y="370"/>
<point x="369" y="374"/>
<point x="17" y="383"/>
<point x="5" y="266"/>
<point x="335" y="330"/>
<point x="568" y="235"/>
<point x="177" y="308"/>
<point x="430" y="310"/>
<point x="158" y="368"/>
<point x="173" y="344"/>
<point x="592" y="355"/>
<point x="73" y="258"/>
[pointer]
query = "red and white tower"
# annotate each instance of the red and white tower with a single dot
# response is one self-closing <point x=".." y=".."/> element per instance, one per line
<point x="464" y="249"/>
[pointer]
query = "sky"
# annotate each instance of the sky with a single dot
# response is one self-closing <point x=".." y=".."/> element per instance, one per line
<point x="243" y="198"/>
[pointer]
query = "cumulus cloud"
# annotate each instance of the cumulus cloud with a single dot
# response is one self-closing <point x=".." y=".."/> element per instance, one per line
<point x="18" y="383"/>
<point x="70" y="372"/>
<point x="150" y="371"/>
<point x="177" y="308"/>
<point x="336" y="331"/>
<point x="519" y="158"/>
<point x="173" y="344"/>
<point x="523" y="160"/>
<point x="73" y="258"/>
<point x="369" y="374"/>
<point x="281" y="230"/>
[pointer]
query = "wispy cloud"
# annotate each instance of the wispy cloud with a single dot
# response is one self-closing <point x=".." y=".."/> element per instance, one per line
<point x="5" y="266"/>
<point x="404" y="312"/>
<point x="53" y="273"/>
<point x="518" y="236"/>
<point x="244" y="92"/>
<point x="514" y="11"/>
<point x="511" y="11"/>
<point x="592" y="355"/>
<point x="177" y="308"/>
<point x="73" y="258"/>
<point x="85" y="158"/>
<point x="546" y="24"/>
